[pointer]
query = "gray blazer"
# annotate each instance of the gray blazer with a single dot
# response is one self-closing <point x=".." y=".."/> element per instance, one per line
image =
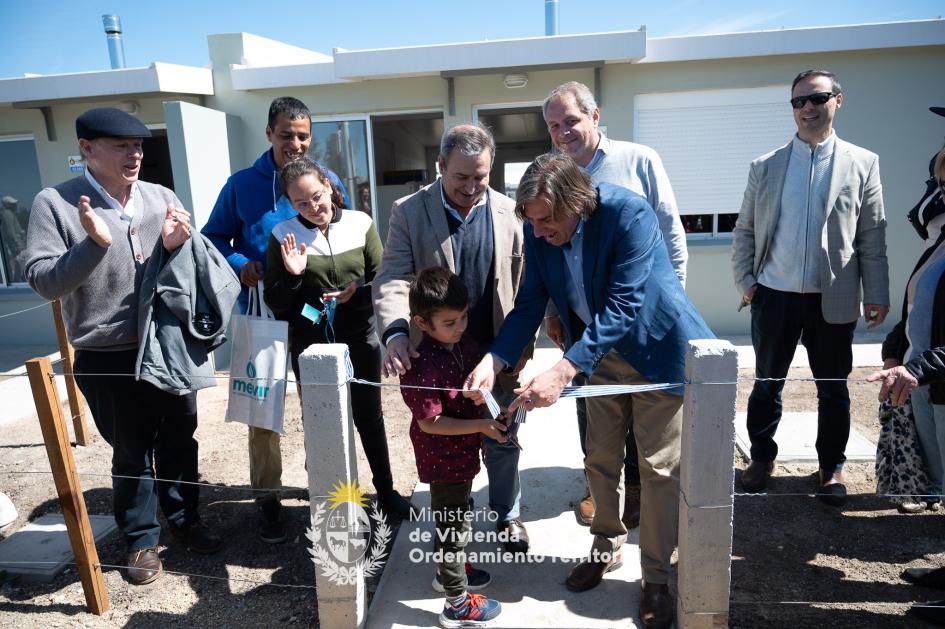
<point x="853" y="243"/>
<point x="419" y="237"/>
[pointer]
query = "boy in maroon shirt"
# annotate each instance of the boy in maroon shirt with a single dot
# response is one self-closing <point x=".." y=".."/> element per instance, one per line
<point x="446" y="434"/>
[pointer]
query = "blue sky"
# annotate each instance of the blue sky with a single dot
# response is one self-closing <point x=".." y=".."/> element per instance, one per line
<point x="46" y="37"/>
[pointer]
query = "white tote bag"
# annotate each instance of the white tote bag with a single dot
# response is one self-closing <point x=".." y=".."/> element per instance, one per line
<point x="258" y="365"/>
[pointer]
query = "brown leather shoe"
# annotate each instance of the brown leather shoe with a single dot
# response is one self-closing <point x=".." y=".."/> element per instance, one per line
<point x="656" y="606"/>
<point x="515" y="535"/>
<point x="755" y="476"/>
<point x="588" y="574"/>
<point x="631" y="506"/>
<point x="144" y="566"/>
<point x="586" y="509"/>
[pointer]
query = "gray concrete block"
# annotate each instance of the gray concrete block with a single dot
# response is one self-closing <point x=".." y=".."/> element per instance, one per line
<point x="707" y="456"/>
<point x="702" y="621"/>
<point x="705" y="550"/>
<point x="708" y="436"/>
<point x="332" y="468"/>
<point x="45" y="541"/>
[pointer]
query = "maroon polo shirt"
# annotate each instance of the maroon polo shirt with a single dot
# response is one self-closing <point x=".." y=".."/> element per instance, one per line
<point x="443" y="458"/>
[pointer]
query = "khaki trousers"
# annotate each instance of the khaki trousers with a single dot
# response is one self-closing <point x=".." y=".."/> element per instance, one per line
<point x="656" y="422"/>
<point x="265" y="461"/>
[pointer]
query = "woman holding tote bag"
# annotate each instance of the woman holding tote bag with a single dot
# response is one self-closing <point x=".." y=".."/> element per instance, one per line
<point x="319" y="268"/>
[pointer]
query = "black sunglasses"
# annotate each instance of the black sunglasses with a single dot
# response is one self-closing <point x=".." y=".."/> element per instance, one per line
<point x="818" y="98"/>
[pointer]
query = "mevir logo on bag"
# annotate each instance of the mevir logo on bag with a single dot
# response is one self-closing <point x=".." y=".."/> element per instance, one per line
<point x="248" y="387"/>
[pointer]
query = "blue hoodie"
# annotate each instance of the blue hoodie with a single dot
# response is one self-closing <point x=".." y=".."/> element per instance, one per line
<point x="249" y="206"/>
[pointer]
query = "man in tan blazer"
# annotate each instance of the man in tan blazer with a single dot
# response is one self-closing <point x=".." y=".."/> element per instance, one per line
<point x="809" y="246"/>
<point x="459" y="222"/>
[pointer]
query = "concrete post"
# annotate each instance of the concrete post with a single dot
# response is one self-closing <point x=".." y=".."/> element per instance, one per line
<point x="706" y="482"/>
<point x="330" y="458"/>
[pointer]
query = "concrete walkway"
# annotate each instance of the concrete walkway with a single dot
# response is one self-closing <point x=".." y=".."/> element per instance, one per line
<point x="533" y="593"/>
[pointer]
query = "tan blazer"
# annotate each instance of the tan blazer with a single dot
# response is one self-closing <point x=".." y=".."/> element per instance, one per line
<point x="419" y="237"/>
<point x="853" y="242"/>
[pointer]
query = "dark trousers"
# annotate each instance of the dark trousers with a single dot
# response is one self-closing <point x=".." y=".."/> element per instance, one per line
<point x="449" y="503"/>
<point x="151" y="433"/>
<point x="366" y="408"/>
<point x="778" y="320"/>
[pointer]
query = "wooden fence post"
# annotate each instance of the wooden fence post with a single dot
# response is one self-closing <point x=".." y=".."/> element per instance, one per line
<point x="76" y="402"/>
<point x="59" y="451"/>
<point x="706" y="477"/>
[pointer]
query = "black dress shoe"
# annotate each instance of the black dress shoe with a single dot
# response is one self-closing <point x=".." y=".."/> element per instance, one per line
<point x="755" y="476"/>
<point x="631" y="507"/>
<point x="514" y="535"/>
<point x="588" y="574"/>
<point x="932" y="612"/>
<point x="392" y="503"/>
<point x="656" y="606"/>
<point x="198" y="537"/>
<point x="271" y="527"/>
<point x="144" y="566"/>
<point x="926" y="577"/>
<point x="831" y="490"/>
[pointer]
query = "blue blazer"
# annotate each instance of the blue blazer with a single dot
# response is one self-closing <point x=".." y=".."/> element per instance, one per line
<point x="639" y="307"/>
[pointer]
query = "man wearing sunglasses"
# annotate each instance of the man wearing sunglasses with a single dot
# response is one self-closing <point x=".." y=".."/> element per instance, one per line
<point x="808" y="247"/>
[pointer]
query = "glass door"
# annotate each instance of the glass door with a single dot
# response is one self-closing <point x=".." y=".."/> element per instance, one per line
<point x="342" y="146"/>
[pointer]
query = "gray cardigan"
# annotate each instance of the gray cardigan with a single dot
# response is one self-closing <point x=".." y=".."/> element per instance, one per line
<point x="98" y="286"/>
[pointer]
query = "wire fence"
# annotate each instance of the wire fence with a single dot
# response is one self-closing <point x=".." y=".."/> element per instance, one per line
<point x="251" y="490"/>
<point x="19" y="312"/>
<point x="733" y="601"/>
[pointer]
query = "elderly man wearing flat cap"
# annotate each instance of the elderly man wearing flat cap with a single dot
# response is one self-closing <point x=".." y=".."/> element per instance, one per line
<point x="88" y="245"/>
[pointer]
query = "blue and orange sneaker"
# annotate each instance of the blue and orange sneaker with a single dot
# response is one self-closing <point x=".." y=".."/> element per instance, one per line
<point x="476" y="580"/>
<point x="478" y="611"/>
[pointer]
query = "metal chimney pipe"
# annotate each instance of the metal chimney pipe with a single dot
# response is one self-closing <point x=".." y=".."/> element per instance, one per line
<point x="116" y="50"/>
<point x="551" y="17"/>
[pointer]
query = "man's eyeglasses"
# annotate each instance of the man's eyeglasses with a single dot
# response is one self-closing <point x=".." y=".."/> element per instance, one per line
<point x="818" y="98"/>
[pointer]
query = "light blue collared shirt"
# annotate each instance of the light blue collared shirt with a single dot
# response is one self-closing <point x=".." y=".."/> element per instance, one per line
<point x="573" y="252"/>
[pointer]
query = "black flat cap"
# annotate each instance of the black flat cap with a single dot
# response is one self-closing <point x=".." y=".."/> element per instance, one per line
<point x="109" y="122"/>
<point x="938" y="110"/>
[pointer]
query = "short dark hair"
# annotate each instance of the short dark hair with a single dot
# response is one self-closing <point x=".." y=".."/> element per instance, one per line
<point x="562" y="182"/>
<point x="436" y="288"/>
<point x="296" y="169"/>
<point x="469" y="139"/>
<point x="834" y="82"/>
<point x="289" y="107"/>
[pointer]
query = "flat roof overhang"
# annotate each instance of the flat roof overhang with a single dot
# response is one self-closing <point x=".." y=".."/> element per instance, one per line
<point x="158" y="79"/>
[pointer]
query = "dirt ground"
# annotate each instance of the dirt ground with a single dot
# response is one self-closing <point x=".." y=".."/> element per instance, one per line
<point x="796" y="562"/>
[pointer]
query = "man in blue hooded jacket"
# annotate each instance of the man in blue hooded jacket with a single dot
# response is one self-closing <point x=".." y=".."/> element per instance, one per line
<point x="249" y="206"/>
